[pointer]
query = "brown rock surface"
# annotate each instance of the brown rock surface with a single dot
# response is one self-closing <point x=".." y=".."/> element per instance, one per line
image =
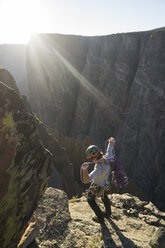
<point x="24" y="166"/>
<point x="69" y="224"/>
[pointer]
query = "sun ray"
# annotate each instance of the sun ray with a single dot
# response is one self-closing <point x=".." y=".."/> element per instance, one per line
<point x="114" y="111"/>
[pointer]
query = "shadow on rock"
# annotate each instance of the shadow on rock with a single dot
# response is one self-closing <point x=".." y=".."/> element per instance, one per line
<point x="126" y="243"/>
<point x="107" y="238"/>
<point x="33" y="245"/>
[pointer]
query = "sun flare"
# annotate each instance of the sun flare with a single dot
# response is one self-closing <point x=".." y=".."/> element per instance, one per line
<point x="20" y="19"/>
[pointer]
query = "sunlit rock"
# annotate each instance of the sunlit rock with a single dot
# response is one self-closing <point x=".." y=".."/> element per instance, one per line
<point x="24" y="165"/>
<point x="67" y="224"/>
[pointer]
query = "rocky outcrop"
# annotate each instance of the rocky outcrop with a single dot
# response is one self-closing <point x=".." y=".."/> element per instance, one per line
<point x="104" y="86"/>
<point x="8" y="79"/>
<point x="53" y="216"/>
<point x="61" y="167"/>
<point x="133" y="223"/>
<point x="24" y="164"/>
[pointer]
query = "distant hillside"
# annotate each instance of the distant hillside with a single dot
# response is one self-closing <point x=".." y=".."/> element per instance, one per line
<point x="13" y="58"/>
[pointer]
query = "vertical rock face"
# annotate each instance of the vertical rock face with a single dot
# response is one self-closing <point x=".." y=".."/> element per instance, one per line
<point x="24" y="166"/>
<point x="46" y="78"/>
<point x="103" y="86"/>
<point x="142" y="130"/>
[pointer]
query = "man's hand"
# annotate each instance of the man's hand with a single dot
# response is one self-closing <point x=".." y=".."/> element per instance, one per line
<point x="85" y="165"/>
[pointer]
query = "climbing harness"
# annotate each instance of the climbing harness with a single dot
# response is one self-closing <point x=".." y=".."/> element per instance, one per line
<point x="95" y="190"/>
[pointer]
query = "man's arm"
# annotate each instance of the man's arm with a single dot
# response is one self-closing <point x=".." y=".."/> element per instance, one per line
<point x="86" y="177"/>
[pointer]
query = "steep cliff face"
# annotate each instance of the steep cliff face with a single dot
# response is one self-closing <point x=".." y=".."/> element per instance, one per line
<point x="103" y="86"/>
<point x="62" y="175"/>
<point x="24" y="164"/>
<point x="142" y="130"/>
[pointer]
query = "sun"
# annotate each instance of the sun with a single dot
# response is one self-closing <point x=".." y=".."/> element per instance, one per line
<point x="20" y="19"/>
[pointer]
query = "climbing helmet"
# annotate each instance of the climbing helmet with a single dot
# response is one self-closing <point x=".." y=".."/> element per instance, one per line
<point x="92" y="152"/>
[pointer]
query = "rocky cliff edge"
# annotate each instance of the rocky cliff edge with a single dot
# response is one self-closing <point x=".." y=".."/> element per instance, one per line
<point x="24" y="164"/>
<point x="63" y="223"/>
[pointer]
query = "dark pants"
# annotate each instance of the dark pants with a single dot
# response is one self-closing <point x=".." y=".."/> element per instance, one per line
<point x="92" y="203"/>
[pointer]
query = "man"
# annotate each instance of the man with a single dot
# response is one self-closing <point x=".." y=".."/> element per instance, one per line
<point x="98" y="178"/>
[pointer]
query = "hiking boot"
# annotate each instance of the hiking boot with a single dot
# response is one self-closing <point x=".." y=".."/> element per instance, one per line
<point x="98" y="220"/>
<point x="106" y="215"/>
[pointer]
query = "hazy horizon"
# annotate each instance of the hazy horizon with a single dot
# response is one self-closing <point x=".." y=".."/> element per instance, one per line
<point x="22" y="18"/>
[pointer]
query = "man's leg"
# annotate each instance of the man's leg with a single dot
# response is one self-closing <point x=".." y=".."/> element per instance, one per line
<point x="107" y="205"/>
<point x="95" y="207"/>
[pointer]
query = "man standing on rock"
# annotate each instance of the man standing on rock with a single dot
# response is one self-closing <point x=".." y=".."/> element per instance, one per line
<point x="98" y="178"/>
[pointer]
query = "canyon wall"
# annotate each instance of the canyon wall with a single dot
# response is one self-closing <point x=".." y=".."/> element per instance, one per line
<point x="30" y="159"/>
<point x="106" y="86"/>
<point x="24" y="164"/>
<point x="99" y="87"/>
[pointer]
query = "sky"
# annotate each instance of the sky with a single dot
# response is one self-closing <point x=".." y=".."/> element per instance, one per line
<point x="19" y="19"/>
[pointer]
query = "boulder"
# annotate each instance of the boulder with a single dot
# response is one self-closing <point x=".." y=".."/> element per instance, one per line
<point x="53" y="216"/>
